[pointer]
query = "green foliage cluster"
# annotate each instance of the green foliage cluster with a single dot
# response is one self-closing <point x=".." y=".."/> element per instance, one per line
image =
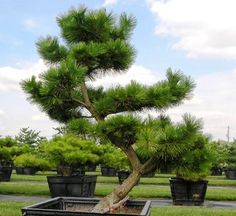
<point x="231" y="156"/>
<point x="114" y="157"/>
<point x="30" y="137"/>
<point x="72" y="151"/>
<point x="32" y="160"/>
<point x="219" y="151"/>
<point x="9" y="148"/>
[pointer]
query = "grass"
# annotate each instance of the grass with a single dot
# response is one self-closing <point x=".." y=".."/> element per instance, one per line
<point x="159" y="179"/>
<point x="193" y="211"/>
<point x="14" y="209"/>
<point x="140" y="191"/>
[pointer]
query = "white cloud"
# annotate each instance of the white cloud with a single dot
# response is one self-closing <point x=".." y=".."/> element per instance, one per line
<point x="40" y="117"/>
<point x="203" y="28"/>
<point x="30" y="23"/>
<point x="109" y="2"/>
<point x="137" y="73"/>
<point x="2" y="112"/>
<point x="10" y="77"/>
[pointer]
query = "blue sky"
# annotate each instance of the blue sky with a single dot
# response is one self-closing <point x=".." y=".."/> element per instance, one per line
<point x="182" y="34"/>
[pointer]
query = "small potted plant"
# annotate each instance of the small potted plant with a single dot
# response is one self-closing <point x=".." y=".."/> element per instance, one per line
<point x="8" y="149"/>
<point x="30" y="163"/>
<point x="231" y="162"/>
<point x="71" y="153"/>
<point x="191" y="168"/>
<point x="110" y="160"/>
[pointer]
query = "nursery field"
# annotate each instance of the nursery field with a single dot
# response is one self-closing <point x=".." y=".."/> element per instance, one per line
<point x="219" y="188"/>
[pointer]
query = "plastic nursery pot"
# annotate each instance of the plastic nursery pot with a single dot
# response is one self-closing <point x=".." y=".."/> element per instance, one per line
<point x="26" y="170"/>
<point x="5" y="171"/>
<point x="186" y="192"/>
<point x="216" y="171"/>
<point x="64" y="206"/>
<point x="108" y="171"/>
<point x="230" y="174"/>
<point x="72" y="186"/>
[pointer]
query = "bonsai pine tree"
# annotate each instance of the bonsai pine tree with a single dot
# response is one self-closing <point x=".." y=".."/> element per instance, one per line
<point x="97" y="43"/>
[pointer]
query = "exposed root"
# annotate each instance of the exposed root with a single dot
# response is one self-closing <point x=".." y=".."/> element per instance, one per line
<point x="107" y="205"/>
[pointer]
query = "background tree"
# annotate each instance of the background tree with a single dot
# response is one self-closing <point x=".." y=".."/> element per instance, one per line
<point x="29" y="137"/>
<point x="96" y="43"/>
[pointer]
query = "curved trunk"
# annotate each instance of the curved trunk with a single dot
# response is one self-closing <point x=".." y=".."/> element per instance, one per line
<point x="118" y="195"/>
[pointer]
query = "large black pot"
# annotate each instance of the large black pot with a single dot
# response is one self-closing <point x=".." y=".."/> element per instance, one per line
<point x="185" y="192"/>
<point x="26" y="170"/>
<point x="108" y="171"/>
<point x="72" y="186"/>
<point x="230" y="174"/>
<point x="62" y="206"/>
<point x="5" y="171"/>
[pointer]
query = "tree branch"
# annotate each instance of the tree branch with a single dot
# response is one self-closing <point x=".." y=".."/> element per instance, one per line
<point x="132" y="156"/>
<point x="149" y="165"/>
<point x="88" y="103"/>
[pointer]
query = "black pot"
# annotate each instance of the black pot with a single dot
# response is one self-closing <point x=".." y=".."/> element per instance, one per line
<point x="108" y="171"/>
<point x="122" y="175"/>
<point x="26" y="170"/>
<point x="62" y="206"/>
<point x="149" y="174"/>
<point x="5" y="171"/>
<point x="72" y="186"/>
<point x="91" y="168"/>
<point x="61" y="170"/>
<point x="185" y="192"/>
<point x="230" y="174"/>
<point x="216" y="171"/>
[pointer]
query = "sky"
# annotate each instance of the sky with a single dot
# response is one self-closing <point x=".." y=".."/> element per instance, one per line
<point x="197" y="37"/>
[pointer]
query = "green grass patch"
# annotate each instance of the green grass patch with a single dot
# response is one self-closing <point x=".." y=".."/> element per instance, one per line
<point x="193" y="211"/>
<point x="12" y="208"/>
<point x="159" y="179"/>
<point x="140" y="191"/>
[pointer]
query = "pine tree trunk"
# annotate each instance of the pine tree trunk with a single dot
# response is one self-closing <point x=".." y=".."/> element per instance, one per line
<point x="118" y="194"/>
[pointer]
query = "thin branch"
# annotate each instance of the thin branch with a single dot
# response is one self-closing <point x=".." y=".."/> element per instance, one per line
<point x="149" y="165"/>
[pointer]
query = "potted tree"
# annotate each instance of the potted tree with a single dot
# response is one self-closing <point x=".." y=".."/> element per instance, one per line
<point x="191" y="168"/>
<point x="8" y="149"/>
<point x="30" y="163"/>
<point x="231" y="161"/>
<point x="219" y="151"/>
<point x="96" y="44"/>
<point x="70" y="154"/>
<point x="111" y="160"/>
